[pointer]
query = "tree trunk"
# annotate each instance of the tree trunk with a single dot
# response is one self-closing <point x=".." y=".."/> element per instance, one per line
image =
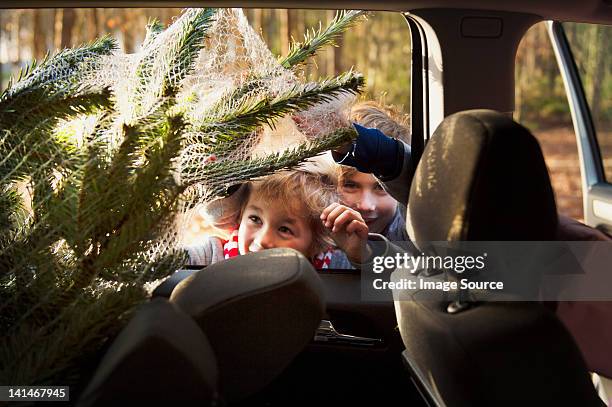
<point x="285" y="30"/>
<point x="248" y="12"/>
<point x="68" y="18"/>
<point x="291" y="20"/>
<point x="331" y="51"/>
<point x="598" y="71"/>
<point x="268" y="28"/>
<point x="525" y="70"/>
<point x="38" y="36"/>
<point x="258" y="21"/>
<point x="16" y="55"/>
<point x="373" y="53"/>
<point x="92" y="24"/>
<point x="338" y="55"/>
<point x="298" y="18"/>
<point x="518" y="93"/>
<point x="128" y="39"/>
<point x="552" y="69"/>
<point x="57" y="28"/>
<point x="3" y="32"/>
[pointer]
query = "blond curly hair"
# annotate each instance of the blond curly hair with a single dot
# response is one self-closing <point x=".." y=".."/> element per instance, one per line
<point x="387" y="119"/>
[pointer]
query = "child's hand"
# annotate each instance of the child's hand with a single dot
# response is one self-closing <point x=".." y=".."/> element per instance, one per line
<point x="348" y="229"/>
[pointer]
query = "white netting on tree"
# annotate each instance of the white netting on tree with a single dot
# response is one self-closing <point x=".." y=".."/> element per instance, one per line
<point x="242" y="106"/>
<point x="103" y="154"/>
<point x="234" y="56"/>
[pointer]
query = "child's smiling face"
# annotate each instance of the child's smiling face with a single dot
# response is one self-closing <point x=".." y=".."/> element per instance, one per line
<point x="267" y="225"/>
<point x="364" y="193"/>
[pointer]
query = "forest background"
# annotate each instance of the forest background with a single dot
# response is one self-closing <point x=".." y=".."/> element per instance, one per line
<point x="379" y="48"/>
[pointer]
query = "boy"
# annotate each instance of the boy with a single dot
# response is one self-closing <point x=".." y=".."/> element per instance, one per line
<point x="380" y="149"/>
<point x="363" y="191"/>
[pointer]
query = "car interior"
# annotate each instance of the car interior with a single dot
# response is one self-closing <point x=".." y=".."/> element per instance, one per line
<point x="267" y="328"/>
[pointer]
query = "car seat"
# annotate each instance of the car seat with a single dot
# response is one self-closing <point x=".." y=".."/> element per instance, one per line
<point x="227" y="331"/>
<point x="258" y="311"/>
<point x="482" y="177"/>
<point x="161" y="355"/>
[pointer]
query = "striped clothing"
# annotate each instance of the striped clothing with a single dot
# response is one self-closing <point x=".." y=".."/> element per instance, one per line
<point x="215" y="249"/>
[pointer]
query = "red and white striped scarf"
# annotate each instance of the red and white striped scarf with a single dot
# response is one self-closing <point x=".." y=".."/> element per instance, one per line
<point x="230" y="249"/>
<point x="230" y="246"/>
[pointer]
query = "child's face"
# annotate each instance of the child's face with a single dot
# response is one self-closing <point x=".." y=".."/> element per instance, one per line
<point x="266" y="225"/>
<point x="364" y="193"/>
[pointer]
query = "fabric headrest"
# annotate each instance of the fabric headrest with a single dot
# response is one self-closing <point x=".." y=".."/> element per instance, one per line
<point x="482" y="177"/>
<point x="258" y="311"/>
<point x="161" y="355"/>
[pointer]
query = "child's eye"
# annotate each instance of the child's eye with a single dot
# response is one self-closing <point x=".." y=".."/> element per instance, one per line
<point x="285" y="230"/>
<point x="380" y="191"/>
<point x="349" y="185"/>
<point x="255" y="219"/>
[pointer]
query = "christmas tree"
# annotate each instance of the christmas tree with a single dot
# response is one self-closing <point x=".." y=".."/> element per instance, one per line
<point x="101" y="151"/>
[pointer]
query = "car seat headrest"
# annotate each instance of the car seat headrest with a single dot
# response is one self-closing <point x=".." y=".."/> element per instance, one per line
<point x="482" y="177"/>
<point x="161" y="355"/>
<point x="258" y="311"/>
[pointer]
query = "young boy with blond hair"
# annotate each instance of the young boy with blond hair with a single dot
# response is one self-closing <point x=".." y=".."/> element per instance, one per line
<point x="284" y="210"/>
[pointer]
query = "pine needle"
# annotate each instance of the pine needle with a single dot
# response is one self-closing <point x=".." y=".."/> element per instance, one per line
<point x="252" y="114"/>
<point x="314" y="40"/>
<point x="221" y="176"/>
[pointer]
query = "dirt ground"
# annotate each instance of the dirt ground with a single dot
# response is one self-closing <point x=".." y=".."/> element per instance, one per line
<point x="561" y="155"/>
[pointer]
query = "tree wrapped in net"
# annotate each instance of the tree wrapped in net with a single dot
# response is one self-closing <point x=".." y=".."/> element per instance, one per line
<point x="101" y="152"/>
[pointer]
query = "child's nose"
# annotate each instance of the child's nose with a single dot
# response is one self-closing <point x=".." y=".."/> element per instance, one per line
<point x="367" y="202"/>
<point x="265" y="239"/>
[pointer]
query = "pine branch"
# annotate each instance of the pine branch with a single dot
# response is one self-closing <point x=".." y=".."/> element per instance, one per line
<point x="142" y="205"/>
<point x="154" y="28"/>
<point x="314" y="40"/>
<point x="33" y="356"/>
<point x="195" y="24"/>
<point x="219" y="177"/>
<point x="11" y="206"/>
<point x="142" y="268"/>
<point x="127" y="237"/>
<point x="31" y="263"/>
<point x="46" y="93"/>
<point x="23" y="156"/>
<point x="153" y="198"/>
<point x="54" y="74"/>
<point x="107" y="186"/>
<point x="42" y="107"/>
<point x="103" y="210"/>
<point x="177" y="54"/>
<point x="238" y="121"/>
<point x="61" y="211"/>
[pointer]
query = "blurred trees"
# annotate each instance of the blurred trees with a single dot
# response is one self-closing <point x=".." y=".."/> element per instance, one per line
<point x="380" y="47"/>
<point x="540" y="95"/>
<point x="541" y="103"/>
<point x="593" y="51"/>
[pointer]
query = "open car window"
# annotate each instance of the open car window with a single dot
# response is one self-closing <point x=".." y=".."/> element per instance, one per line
<point x="541" y="105"/>
<point x="591" y="50"/>
<point x="378" y="47"/>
